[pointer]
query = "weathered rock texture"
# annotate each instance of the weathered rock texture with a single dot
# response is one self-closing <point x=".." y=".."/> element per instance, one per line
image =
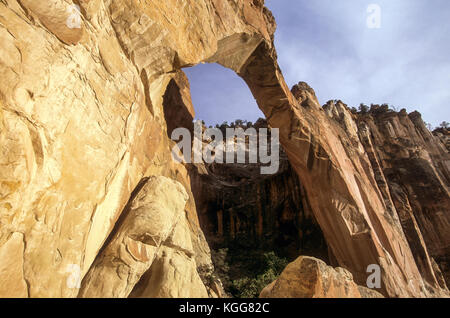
<point x="153" y="234"/>
<point x="82" y="124"/>
<point x="411" y="167"/>
<point x="444" y="135"/>
<point x="383" y="222"/>
<point x="308" y="277"/>
<point x="416" y="167"/>
<point x="237" y="204"/>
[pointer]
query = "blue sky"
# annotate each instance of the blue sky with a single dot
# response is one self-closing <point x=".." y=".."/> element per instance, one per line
<point x="326" y="43"/>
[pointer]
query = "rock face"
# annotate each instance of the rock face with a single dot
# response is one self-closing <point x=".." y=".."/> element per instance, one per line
<point x="308" y="277"/>
<point x="85" y="102"/>
<point x="416" y="166"/>
<point x="444" y="135"/>
<point x="153" y="239"/>
<point x="411" y="167"/>
<point x="237" y="204"/>
<point x="13" y="281"/>
<point x="384" y="224"/>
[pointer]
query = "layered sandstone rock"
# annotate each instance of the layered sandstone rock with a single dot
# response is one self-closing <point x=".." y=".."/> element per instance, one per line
<point x="308" y="277"/>
<point x="13" y="284"/>
<point x="153" y="239"/>
<point x="80" y="128"/>
<point x="411" y="168"/>
<point x="253" y="221"/>
<point x="376" y="231"/>
<point x="416" y="166"/>
<point x="237" y="205"/>
<point x="82" y="121"/>
<point x="444" y="135"/>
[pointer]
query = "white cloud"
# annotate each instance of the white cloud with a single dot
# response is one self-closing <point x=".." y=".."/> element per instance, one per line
<point x="405" y="63"/>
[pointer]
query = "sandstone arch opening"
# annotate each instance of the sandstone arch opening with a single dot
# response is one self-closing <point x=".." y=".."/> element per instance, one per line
<point x="341" y="189"/>
<point x="254" y="224"/>
<point x="220" y="95"/>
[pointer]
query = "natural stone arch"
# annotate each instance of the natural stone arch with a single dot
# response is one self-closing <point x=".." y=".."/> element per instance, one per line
<point x="119" y="64"/>
<point x="305" y="134"/>
<point x="342" y="191"/>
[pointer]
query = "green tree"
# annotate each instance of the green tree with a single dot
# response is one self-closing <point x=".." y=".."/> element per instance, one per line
<point x="363" y="108"/>
<point x="264" y="271"/>
<point x="239" y="122"/>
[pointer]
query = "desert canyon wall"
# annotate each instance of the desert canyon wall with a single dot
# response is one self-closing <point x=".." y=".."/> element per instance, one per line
<point x="92" y="204"/>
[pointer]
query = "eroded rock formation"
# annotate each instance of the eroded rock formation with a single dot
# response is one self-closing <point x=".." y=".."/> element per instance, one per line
<point x="153" y="239"/>
<point x="308" y="277"/>
<point x="83" y="123"/>
<point x="411" y="167"/>
<point x="238" y="204"/>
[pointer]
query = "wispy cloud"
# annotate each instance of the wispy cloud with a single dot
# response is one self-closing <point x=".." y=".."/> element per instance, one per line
<point x="404" y="63"/>
<point x="220" y="95"/>
<point x="327" y="43"/>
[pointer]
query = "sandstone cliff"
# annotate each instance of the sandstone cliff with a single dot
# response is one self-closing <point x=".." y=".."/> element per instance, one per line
<point x="246" y="216"/>
<point x="239" y="207"/>
<point x="84" y="115"/>
<point x="411" y="167"/>
<point x="238" y="204"/>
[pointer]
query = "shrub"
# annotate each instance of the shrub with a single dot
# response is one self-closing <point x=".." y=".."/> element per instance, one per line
<point x="363" y="108"/>
<point x="263" y="271"/>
